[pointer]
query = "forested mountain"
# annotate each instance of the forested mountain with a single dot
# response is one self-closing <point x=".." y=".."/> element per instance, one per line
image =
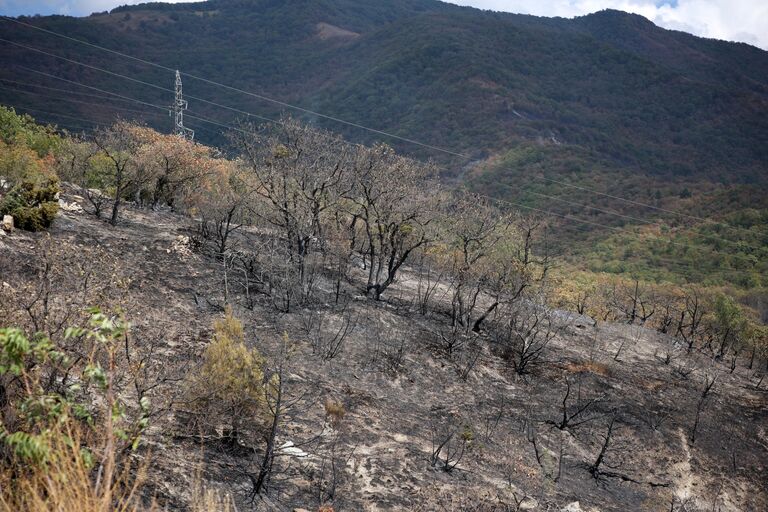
<point x="635" y="95"/>
<point x="608" y="101"/>
<point x="566" y="310"/>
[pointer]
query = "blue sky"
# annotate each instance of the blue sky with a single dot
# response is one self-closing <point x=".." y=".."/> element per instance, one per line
<point x="732" y="20"/>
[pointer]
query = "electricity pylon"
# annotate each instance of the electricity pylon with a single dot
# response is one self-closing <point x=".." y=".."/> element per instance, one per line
<point x="179" y="106"/>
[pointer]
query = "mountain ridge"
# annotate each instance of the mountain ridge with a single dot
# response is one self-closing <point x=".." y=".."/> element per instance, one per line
<point x="552" y="67"/>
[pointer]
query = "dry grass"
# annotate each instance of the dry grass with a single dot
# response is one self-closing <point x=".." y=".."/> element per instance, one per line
<point x="652" y="385"/>
<point x="588" y="367"/>
<point x="211" y="500"/>
<point x="334" y="412"/>
<point x="68" y="480"/>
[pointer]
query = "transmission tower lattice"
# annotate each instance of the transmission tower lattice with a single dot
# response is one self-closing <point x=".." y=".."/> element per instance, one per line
<point x="179" y="106"/>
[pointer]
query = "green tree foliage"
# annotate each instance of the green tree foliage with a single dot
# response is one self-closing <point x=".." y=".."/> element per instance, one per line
<point x="67" y="438"/>
<point x="33" y="205"/>
<point x="23" y="130"/>
<point x="607" y="101"/>
<point x="610" y="85"/>
<point x="30" y="188"/>
<point x="730" y="322"/>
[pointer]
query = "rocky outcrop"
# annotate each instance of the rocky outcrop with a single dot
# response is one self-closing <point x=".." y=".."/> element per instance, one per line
<point x="7" y="224"/>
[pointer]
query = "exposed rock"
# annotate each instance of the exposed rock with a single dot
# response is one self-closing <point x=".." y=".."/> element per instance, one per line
<point x="70" y="207"/>
<point x="7" y="224"/>
<point x="288" y="448"/>
<point x="576" y="507"/>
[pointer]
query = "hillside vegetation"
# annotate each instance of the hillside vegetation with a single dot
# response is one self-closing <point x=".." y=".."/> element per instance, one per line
<point x="321" y="325"/>
<point x="607" y="102"/>
<point x="291" y="313"/>
<point x="636" y="95"/>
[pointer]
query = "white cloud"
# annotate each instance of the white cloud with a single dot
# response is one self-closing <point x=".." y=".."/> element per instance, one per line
<point x="732" y="20"/>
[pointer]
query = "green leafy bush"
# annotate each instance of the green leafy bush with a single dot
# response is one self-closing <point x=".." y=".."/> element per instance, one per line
<point x="33" y="205"/>
<point x="30" y="186"/>
<point x="229" y="387"/>
<point x="24" y="131"/>
<point x="55" y="432"/>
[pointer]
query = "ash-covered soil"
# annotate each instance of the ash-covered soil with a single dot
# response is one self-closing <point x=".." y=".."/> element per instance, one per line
<point x="403" y="396"/>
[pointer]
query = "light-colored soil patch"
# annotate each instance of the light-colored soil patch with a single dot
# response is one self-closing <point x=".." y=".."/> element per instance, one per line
<point x="327" y="31"/>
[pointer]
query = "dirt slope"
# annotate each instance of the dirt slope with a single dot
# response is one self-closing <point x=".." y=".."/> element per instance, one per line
<point x="402" y="394"/>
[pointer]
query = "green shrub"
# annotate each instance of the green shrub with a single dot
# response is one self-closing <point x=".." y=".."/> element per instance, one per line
<point x="229" y="387"/>
<point x="23" y="130"/>
<point x="52" y="438"/>
<point x="33" y="205"/>
<point x="32" y="198"/>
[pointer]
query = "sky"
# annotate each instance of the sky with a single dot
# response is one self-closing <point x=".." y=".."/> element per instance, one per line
<point x="732" y="20"/>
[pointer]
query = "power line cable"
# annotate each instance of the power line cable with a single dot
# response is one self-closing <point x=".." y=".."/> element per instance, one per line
<point x="548" y="212"/>
<point x="636" y="203"/>
<point x="136" y="80"/>
<point x="356" y="125"/>
<point x="119" y="75"/>
<point x="330" y="117"/>
<point x="570" y="217"/>
<point x="66" y="116"/>
<point x="57" y="89"/>
<point x="285" y="104"/>
<point x="629" y="217"/>
<point x="80" y="102"/>
<point x="667" y="262"/>
<point x="90" y="122"/>
<point x="678" y="264"/>
<point x="242" y="91"/>
<point x="193" y="116"/>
